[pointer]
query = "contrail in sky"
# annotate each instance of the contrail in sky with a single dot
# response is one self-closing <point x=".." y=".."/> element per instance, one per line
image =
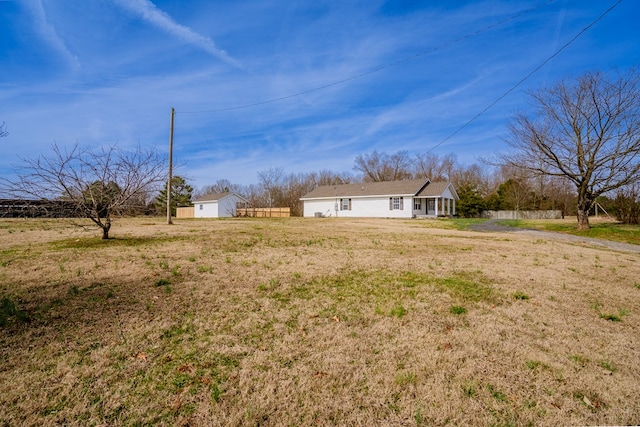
<point x="150" y="13"/>
<point x="48" y="31"/>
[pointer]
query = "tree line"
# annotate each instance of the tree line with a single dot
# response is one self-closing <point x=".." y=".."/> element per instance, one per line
<point x="576" y="146"/>
<point x="479" y="186"/>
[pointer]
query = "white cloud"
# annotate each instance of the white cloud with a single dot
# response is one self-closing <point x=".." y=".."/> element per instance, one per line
<point x="150" y="13"/>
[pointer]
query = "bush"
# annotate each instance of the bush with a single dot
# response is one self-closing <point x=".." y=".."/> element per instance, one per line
<point x="627" y="206"/>
<point x="471" y="203"/>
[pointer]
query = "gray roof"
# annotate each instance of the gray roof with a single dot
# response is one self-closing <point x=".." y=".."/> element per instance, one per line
<point x="410" y="187"/>
<point x="435" y="189"/>
<point x="212" y="197"/>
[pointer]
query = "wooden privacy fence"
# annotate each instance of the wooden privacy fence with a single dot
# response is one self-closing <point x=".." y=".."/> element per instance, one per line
<point x="264" y="212"/>
<point x="185" y="212"/>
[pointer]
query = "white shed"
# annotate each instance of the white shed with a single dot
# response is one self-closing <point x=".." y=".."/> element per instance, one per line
<point x="217" y="205"/>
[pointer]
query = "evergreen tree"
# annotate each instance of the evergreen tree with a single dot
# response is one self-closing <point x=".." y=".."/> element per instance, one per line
<point x="181" y="193"/>
<point x="471" y="203"/>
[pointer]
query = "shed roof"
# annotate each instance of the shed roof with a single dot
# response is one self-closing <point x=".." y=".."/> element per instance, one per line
<point x="214" y="197"/>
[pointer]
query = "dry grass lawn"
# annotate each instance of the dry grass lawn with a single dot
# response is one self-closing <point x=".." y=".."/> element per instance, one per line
<point x="313" y="322"/>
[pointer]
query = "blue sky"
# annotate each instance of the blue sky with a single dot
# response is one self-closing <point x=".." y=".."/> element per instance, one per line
<point x="374" y="75"/>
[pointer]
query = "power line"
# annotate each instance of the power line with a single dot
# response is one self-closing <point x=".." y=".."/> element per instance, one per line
<point x="377" y="69"/>
<point x="535" y="70"/>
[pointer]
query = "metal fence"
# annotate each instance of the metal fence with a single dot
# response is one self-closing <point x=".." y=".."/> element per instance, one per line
<point x="20" y="208"/>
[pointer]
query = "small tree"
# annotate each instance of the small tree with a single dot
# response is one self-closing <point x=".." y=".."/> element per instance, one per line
<point x="181" y="194"/>
<point x="97" y="183"/>
<point x="587" y="131"/>
<point x="471" y="203"/>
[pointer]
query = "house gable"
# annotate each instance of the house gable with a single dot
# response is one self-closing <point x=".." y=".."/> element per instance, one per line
<point x="439" y="189"/>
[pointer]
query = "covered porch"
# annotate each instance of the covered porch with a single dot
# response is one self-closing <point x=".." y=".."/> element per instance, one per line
<point x="435" y="199"/>
<point x="434" y="206"/>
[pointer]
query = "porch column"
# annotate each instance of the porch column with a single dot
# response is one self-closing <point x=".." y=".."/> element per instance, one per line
<point x="437" y="206"/>
<point x="454" y="207"/>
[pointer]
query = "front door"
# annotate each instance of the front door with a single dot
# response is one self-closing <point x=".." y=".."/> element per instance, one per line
<point x="431" y="207"/>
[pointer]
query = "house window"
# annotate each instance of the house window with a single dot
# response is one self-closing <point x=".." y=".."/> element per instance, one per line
<point x="417" y="204"/>
<point x="345" y="204"/>
<point x="201" y="206"/>
<point x="396" y="203"/>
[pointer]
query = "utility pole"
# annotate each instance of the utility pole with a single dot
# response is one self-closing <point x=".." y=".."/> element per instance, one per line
<point x="173" y="113"/>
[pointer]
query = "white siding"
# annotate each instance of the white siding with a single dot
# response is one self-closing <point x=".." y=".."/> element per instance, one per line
<point x="370" y="207"/>
<point x="225" y="207"/>
<point x="447" y="194"/>
<point x="324" y="206"/>
<point x="205" y="209"/>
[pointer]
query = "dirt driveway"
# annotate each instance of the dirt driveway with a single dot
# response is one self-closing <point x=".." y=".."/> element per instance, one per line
<point x="493" y="225"/>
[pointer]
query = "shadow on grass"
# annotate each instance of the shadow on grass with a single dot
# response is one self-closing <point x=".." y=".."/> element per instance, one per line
<point x="93" y="304"/>
<point x="97" y="243"/>
<point x="95" y="335"/>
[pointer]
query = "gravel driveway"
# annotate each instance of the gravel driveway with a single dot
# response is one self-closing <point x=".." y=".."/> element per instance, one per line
<point x="493" y="225"/>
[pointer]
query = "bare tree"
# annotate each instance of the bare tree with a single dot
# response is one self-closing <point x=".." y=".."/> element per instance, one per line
<point x="97" y="183"/>
<point x="587" y="130"/>
<point x="3" y="130"/>
<point x="256" y="195"/>
<point x="271" y="179"/>
<point x="370" y="166"/>
<point x="295" y="186"/>
<point x="327" y="177"/>
<point x="434" y="167"/>
<point x="220" y="186"/>
<point x="473" y="176"/>
<point x="377" y="167"/>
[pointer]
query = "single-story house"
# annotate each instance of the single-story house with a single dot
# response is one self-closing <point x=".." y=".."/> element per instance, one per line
<point x="387" y="199"/>
<point x="217" y="205"/>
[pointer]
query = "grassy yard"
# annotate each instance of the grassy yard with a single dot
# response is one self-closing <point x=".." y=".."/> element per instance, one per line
<point x="317" y="321"/>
